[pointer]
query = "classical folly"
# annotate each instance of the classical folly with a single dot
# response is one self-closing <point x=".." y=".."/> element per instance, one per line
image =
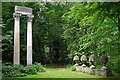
<point x="19" y="11"/>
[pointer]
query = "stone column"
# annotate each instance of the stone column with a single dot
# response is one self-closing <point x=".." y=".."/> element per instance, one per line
<point x="29" y="39"/>
<point x="16" y="38"/>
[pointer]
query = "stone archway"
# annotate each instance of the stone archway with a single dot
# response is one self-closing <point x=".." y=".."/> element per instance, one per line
<point x="19" y="11"/>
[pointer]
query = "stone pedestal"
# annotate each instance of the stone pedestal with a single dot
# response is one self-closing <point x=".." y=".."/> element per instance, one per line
<point x="16" y="38"/>
<point x="103" y="71"/>
<point x="92" y="67"/>
<point x="83" y="65"/>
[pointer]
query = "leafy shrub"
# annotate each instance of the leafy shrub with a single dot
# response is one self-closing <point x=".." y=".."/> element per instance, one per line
<point x="69" y="66"/>
<point x="20" y="71"/>
<point x="73" y="68"/>
<point x="31" y="69"/>
<point x="13" y="71"/>
<point x="7" y="68"/>
<point x="37" y="67"/>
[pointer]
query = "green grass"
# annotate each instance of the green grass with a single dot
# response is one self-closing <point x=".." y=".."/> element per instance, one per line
<point x="61" y="73"/>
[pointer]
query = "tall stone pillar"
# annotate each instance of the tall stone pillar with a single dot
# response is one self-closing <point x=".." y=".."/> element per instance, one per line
<point x="29" y="39"/>
<point x="16" y="38"/>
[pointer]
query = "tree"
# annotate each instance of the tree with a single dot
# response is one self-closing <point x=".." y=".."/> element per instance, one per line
<point x="93" y="27"/>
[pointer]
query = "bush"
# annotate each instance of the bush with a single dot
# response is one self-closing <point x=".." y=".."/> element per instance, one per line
<point x="73" y="68"/>
<point x="39" y="67"/>
<point x="13" y="71"/>
<point x="20" y="71"/>
<point x="31" y="69"/>
<point x="7" y="69"/>
<point x="69" y="65"/>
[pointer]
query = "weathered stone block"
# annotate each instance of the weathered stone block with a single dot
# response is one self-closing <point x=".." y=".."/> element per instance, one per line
<point x="103" y="72"/>
<point x="23" y="10"/>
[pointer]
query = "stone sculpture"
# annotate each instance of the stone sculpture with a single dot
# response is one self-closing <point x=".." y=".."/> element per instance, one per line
<point x="83" y="59"/>
<point x="91" y="60"/>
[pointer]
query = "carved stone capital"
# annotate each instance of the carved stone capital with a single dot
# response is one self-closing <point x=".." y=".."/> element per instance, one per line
<point x="16" y="16"/>
<point x="30" y="16"/>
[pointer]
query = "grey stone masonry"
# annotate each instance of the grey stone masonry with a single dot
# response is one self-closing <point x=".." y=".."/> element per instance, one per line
<point x="29" y="39"/>
<point x="16" y="38"/>
<point x="20" y="10"/>
<point x="102" y="72"/>
<point x="23" y="10"/>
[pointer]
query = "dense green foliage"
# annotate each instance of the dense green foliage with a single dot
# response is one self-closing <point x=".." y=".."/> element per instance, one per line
<point x="13" y="71"/>
<point x="94" y="27"/>
<point x="64" y="29"/>
<point x="34" y="69"/>
<point x="20" y="71"/>
<point x="73" y="68"/>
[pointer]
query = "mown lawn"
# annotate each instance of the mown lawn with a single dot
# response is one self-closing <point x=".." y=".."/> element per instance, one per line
<point x="61" y="73"/>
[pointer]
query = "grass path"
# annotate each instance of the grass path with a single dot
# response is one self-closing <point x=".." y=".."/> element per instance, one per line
<point x="61" y="73"/>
